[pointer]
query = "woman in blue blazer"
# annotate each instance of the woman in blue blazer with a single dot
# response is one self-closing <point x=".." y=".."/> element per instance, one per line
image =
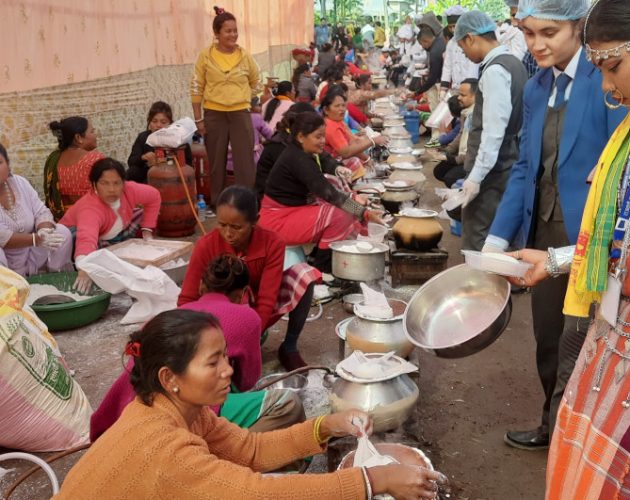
<point x="566" y="125"/>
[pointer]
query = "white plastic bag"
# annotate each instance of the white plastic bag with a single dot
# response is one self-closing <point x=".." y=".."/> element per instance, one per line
<point x="152" y="288"/>
<point x="441" y="117"/>
<point x="374" y="305"/>
<point x="173" y="136"/>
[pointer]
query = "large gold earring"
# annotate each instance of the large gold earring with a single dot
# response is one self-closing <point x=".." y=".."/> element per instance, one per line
<point x="616" y="94"/>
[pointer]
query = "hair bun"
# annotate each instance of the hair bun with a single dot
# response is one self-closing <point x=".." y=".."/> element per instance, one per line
<point x="218" y="10"/>
<point x="54" y="125"/>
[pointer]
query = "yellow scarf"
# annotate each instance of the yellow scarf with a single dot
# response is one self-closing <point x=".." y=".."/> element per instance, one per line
<point x="579" y="295"/>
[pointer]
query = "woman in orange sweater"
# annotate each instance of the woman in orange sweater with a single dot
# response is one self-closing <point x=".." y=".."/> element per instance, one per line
<point x="168" y="444"/>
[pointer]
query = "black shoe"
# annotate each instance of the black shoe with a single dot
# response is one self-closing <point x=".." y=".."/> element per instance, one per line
<point x="536" y="439"/>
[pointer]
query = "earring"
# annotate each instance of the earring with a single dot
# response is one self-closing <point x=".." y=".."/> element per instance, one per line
<point x="175" y="390"/>
<point x="616" y="94"/>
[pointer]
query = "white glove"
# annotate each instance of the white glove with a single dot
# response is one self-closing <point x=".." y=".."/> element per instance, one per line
<point x="490" y="248"/>
<point x="50" y="238"/>
<point x="470" y="190"/>
<point x="83" y="283"/>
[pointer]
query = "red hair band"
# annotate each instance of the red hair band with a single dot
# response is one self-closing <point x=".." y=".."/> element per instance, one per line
<point x="132" y="349"/>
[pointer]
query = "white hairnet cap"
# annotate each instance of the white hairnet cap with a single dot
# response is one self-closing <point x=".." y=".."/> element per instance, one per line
<point x="455" y="10"/>
<point x="474" y="23"/>
<point x="511" y="3"/>
<point x="555" y="10"/>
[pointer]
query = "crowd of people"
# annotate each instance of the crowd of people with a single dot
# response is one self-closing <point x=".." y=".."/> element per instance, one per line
<point x="538" y="147"/>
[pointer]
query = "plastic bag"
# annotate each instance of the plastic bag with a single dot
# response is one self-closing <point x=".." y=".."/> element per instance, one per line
<point x="43" y="408"/>
<point x="152" y="288"/>
<point x="441" y="117"/>
<point x="173" y="136"/>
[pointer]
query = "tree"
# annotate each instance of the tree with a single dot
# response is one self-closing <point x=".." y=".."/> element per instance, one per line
<point x="496" y="9"/>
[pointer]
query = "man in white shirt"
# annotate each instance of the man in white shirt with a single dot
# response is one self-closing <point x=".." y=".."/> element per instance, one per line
<point x="457" y="67"/>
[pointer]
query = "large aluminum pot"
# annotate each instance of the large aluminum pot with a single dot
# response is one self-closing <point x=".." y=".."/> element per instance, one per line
<point x="380" y="335"/>
<point x="389" y="403"/>
<point x="358" y="266"/>
<point x="459" y="312"/>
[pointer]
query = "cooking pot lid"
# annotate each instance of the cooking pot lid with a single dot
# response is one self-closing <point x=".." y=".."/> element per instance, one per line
<point x="398" y="306"/>
<point x="418" y="213"/>
<point x="373" y="367"/>
<point x="400" y="185"/>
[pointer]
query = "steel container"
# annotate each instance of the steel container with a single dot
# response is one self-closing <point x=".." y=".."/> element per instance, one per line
<point x="358" y="266"/>
<point x="389" y="403"/>
<point x="380" y="335"/>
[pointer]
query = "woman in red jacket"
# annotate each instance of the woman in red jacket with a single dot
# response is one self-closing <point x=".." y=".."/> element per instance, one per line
<point x="110" y="213"/>
<point x="274" y="291"/>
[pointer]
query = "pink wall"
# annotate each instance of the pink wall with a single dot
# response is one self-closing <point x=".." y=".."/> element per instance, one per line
<point x="48" y="43"/>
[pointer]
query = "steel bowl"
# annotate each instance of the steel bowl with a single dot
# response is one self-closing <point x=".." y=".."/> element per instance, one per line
<point x="358" y="266"/>
<point x="459" y="312"/>
<point x="294" y="382"/>
<point x="389" y="403"/>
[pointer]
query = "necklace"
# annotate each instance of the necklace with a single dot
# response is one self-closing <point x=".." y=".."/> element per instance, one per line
<point x="11" y="209"/>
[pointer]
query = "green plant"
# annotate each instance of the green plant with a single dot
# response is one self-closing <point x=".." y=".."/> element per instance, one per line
<point x="496" y="9"/>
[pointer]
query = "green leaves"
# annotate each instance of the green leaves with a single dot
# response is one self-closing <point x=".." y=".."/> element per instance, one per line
<point x="496" y="9"/>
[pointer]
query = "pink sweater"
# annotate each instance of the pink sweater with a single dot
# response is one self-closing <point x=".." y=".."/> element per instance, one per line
<point x="93" y="217"/>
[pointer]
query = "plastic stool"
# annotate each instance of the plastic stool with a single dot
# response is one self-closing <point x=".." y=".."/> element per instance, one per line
<point x="293" y="255"/>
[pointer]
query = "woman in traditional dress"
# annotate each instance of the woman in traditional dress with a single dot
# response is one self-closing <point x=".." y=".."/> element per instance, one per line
<point x="29" y="238"/>
<point x="300" y="204"/>
<point x="589" y="456"/>
<point x="112" y="211"/>
<point x="275" y="291"/>
<point x="67" y="168"/>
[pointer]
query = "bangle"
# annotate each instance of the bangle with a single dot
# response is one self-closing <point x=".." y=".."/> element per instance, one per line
<point x="372" y="141"/>
<point x="316" y="426"/>
<point x="34" y="240"/>
<point x="146" y="229"/>
<point x="368" y="485"/>
<point x="551" y="266"/>
<point x="199" y="121"/>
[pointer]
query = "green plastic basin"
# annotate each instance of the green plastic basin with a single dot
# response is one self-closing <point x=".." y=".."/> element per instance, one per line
<point x="58" y="317"/>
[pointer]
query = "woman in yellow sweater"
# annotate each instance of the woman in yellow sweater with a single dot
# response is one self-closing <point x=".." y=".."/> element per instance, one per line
<point x="168" y="444"/>
<point x="224" y="81"/>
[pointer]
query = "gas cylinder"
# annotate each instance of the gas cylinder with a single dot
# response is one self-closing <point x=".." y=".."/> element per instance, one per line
<point x="176" y="217"/>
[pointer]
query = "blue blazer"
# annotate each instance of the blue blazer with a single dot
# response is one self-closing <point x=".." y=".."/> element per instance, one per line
<point x="588" y="124"/>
